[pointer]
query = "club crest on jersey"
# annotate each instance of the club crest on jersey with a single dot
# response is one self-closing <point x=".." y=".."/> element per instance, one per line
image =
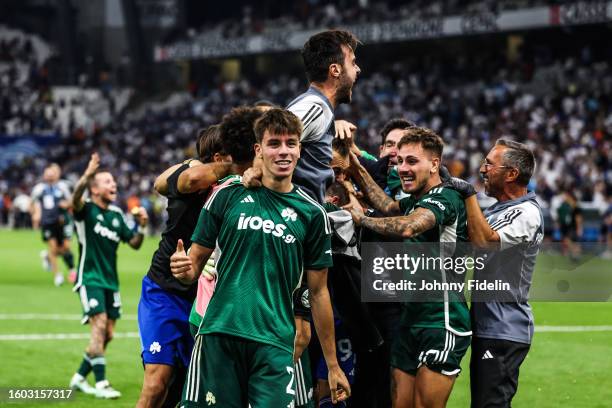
<point x="289" y="214"/>
<point x="266" y="226"/>
<point x="115" y="223"/>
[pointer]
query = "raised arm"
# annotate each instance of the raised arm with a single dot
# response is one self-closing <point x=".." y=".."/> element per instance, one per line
<point x="372" y="192"/>
<point x="142" y="218"/>
<point x="323" y="317"/>
<point x="81" y="186"/>
<point x="202" y="176"/>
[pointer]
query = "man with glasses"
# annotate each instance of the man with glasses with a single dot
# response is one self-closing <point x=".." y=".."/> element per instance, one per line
<point x="511" y="230"/>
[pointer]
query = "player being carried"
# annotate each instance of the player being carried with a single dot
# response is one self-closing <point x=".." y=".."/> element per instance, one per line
<point x="267" y="237"/>
<point x="100" y="227"/>
<point x="434" y="335"/>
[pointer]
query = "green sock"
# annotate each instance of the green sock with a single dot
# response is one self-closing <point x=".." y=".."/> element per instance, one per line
<point x="85" y="367"/>
<point x="99" y="368"/>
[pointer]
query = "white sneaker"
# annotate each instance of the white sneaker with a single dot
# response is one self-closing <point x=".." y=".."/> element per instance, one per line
<point x="58" y="280"/>
<point x="104" y="390"/>
<point x="44" y="258"/>
<point x="79" y="383"/>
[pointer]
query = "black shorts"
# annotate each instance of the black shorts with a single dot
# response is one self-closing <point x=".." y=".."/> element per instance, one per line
<point x="494" y="371"/>
<point x="53" y="231"/>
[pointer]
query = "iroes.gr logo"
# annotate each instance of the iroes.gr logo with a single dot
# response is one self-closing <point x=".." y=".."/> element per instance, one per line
<point x="266" y="226"/>
<point x="105" y="232"/>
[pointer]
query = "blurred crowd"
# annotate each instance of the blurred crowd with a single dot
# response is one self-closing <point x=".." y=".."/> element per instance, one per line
<point x="314" y="14"/>
<point x="560" y="107"/>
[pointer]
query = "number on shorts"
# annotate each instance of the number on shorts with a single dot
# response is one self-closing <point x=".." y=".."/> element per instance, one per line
<point x="345" y="348"/>
<point x="290" y="389"/>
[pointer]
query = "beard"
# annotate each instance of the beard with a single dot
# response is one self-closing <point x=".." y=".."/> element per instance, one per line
<point x="343" y="93"/>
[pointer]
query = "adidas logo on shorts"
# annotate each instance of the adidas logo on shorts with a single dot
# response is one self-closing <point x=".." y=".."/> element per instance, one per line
<point x="487" y="355"/>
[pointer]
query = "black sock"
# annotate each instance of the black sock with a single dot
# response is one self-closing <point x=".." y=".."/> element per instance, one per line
<point x="68" y="259"/>
<point x="98" y="364"/>
<point x="85" y="367"/>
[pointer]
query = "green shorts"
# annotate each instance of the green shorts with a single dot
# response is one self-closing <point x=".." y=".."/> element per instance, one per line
<point x="95" y="300"/>
<point x="304" y="397"/>
<point x="438" y="349"/>
<point x="229" y="371"/>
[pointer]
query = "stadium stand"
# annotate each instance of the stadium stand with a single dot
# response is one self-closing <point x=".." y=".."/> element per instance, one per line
<point x="558" y="104"/>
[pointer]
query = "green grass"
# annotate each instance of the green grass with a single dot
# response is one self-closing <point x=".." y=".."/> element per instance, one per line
<point x="562" y="369"/>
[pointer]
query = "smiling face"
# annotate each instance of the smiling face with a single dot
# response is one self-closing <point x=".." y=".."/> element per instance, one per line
<point x="493" y="172"/>
<point x="104" y="188"/>
<point x="415" y="167"/>
<point x="349" y="73"/>
<point x="280" y="154"/>
<point x="390" y="146"/>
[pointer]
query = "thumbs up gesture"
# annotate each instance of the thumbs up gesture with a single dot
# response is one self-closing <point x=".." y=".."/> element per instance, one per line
<point x="180" y="264"/>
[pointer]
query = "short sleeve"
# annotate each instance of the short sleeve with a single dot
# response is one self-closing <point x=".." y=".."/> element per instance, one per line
<point x="173" y="181"/>
<point x="36" y="192"/>
<point x="211" y="217"/>
<point x="406" y="204"/>
<point x="63" y="186"/>
<point x="314" y="121"/>
<point x="440" y="205"/>
<point x="79" y="215"/>
<point x="517" y="226"/>
<point x="317" y="248"/>
<point x="126" y="233"/>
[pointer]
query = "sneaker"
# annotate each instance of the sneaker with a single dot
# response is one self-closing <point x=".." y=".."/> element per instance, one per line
<point x="72" y="276"/>
<point x="58" y="280"/>
<point x="104" y="390"/>
<point x="44" y="258"/>
<point x="79" y="383"/>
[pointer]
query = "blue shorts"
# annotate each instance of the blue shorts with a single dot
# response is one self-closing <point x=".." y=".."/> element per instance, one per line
<point x="345" y="354"/>
<point x="163" y="320"/>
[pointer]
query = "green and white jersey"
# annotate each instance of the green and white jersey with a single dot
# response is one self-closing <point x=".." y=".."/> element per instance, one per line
<point x="99" y="232"/>
<point x="266" y="240"/>
<point x="451" y="312"/>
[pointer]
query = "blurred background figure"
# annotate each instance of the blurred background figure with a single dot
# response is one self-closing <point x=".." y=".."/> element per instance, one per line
<point x="50" y="210"/>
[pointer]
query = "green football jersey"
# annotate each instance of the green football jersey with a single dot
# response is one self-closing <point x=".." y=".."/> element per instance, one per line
<point x="99" y="232"/>
<point x="451" y="226"/>
<point x="266" y="240"/>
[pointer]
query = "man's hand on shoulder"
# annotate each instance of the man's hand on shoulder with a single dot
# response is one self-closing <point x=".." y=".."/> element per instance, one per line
<point x="252" y="177"/>
<point x="465" y="189"/>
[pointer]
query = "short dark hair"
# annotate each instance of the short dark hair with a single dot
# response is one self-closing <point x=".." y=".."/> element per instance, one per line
<point x="323" y="49"/>
<point x="338" y="190"/>
<point x="519" y="157"/>
<point x="395" y="123"/>
<point x="238" y="135"/>
<point x="342" y="146"/>
<point x="209" y="143"/>
<point x="427" y="138"/>
<point x="278" y="121"/>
